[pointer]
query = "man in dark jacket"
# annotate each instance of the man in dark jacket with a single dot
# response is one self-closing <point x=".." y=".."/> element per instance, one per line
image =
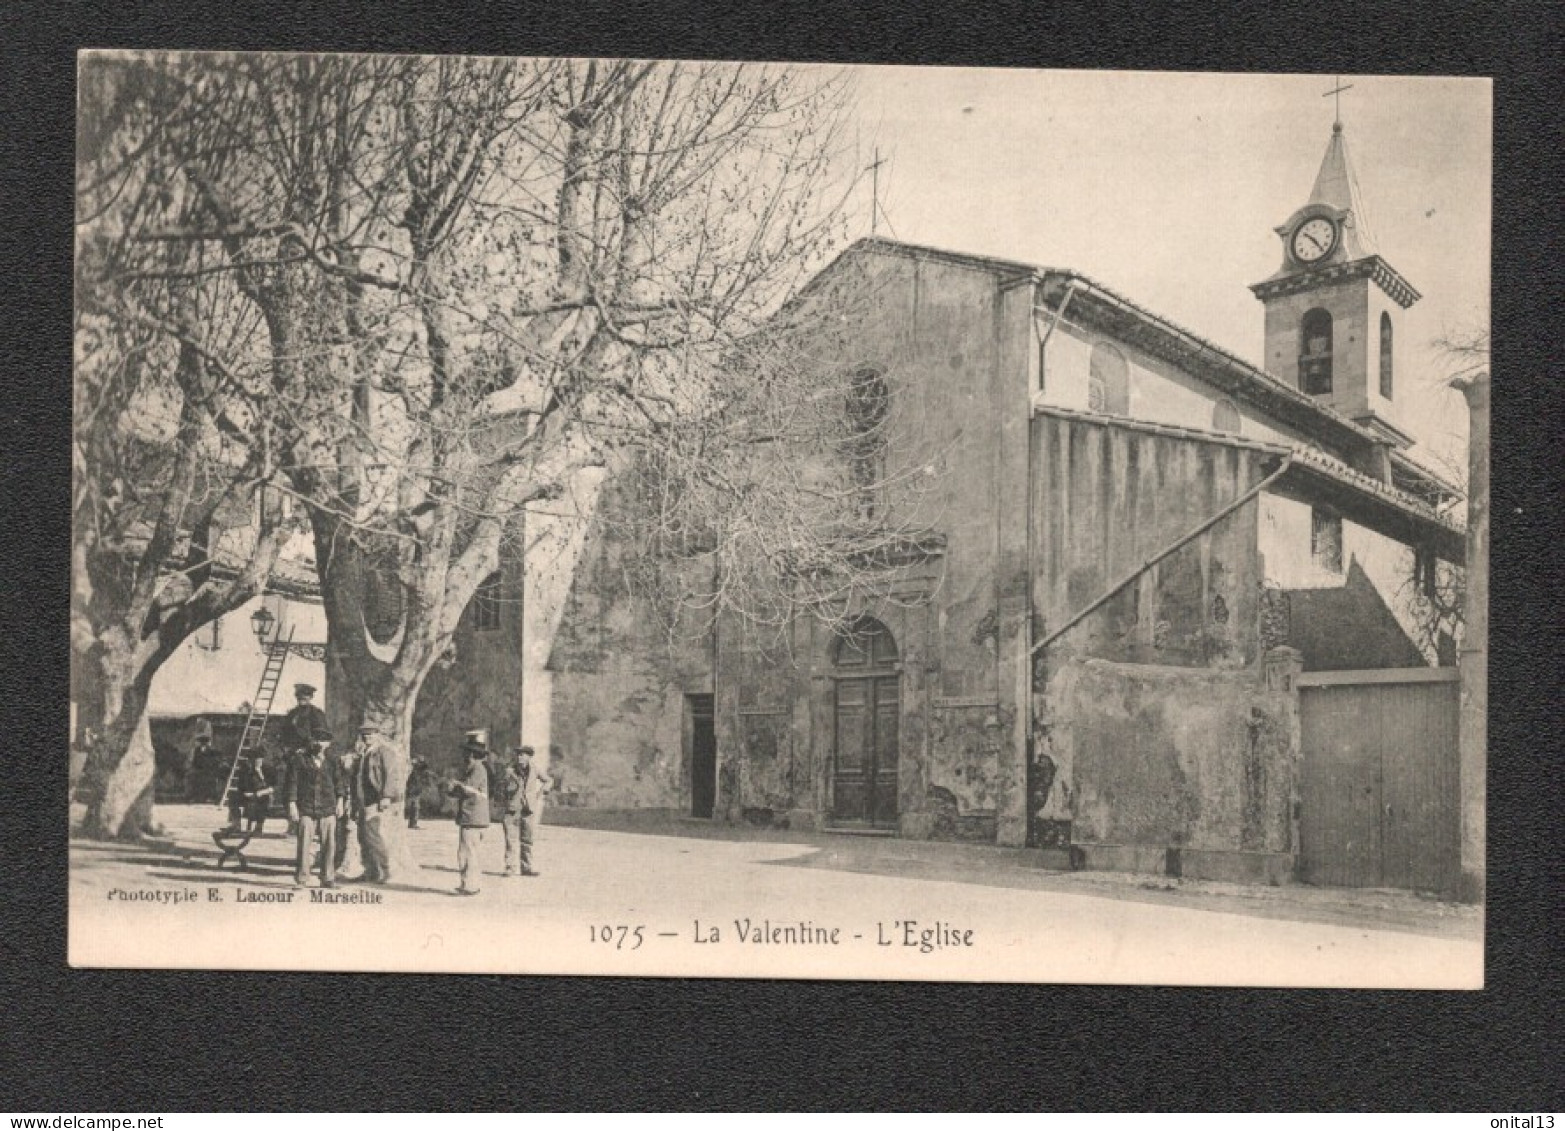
<point x="316" y="798"/>
<point x="418" y="781"/>
<point x="472" y="817"/>
<point x="375" y="791"/>
<point x="249" y="796"/>
<point x="302" y="723"/>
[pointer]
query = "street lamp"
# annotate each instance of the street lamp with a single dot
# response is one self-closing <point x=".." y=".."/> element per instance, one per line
<point x="262" y="620"/>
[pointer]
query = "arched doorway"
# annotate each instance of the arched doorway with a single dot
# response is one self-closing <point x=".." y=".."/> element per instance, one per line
<point x="866" y="715"/>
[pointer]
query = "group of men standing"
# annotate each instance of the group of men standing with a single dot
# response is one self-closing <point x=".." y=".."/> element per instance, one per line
<point x="508" y="792"/>
<point x="324" y="793"/>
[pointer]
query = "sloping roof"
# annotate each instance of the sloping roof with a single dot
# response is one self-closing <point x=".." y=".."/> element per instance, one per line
<point x="1348" y="626"/>
<point x="1337" y="186"/>
<point x="1168" y="339"/>
<point x="290" y="576"/>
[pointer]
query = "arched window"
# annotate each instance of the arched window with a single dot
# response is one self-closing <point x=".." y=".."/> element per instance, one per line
<point x="1385" y="355"/>
<point x="1315" y="352"/>
<point x="1225" y="417"/>
<point x="866" y="643"/>
<point x="869" y="404"/>
<point x="1108" y="381"/>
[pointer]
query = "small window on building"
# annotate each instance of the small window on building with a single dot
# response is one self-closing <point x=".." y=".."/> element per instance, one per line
<point x="1326" y="539"/>
<point x="1108" y="381"/>
<point x="486" y="604"/>
<point x="210" y="635"/>
<point x="1385" y="355"/>
<point x="1225" y="416"/>
<point x="1425" y="573"/>
<point x="1315" y="352"/>
<point x="869" y="406"/>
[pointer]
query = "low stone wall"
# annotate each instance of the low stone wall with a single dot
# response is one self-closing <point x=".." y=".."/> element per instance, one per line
<point x="1176" y="771"/>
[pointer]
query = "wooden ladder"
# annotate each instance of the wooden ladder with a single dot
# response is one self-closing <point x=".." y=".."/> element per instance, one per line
<point x="260" y="707"/>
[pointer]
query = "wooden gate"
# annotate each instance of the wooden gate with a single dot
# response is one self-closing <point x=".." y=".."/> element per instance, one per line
<point x="1378" y="789"/>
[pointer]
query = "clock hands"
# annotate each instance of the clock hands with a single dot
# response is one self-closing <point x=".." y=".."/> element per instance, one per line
<point x="1307" y="246"/>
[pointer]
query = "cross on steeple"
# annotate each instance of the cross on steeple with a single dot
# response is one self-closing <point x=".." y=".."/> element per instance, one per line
<point x="1337" y="92"/>
<point x="874" y="207"/>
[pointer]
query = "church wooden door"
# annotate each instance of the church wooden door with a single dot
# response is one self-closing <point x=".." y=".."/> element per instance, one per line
<point x="868" y="710"/>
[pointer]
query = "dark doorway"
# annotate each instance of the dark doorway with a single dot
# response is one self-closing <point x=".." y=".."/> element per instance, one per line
<point x="703" y="756"/>
<point x="867" y="712"/>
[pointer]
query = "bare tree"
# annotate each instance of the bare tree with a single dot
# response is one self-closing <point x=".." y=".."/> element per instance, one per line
<point x="467" y="280"/>
<point x="1437" y="591"/>
<point x="800" y="488"/>
<point x="169" y="457"/>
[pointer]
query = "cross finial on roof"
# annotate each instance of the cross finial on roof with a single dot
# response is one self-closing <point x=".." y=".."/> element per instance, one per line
<point x="875" y="210"/>
<point x="1337" y="92"/>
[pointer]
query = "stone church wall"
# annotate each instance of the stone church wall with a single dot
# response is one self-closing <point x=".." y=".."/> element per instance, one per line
<point x="1175" y="770"/>
<point x="1108" y="498"/>
<point x="1148" y="733"/>
<point x="1119" y="704"/>
<point x="618" y="678"/>
<point x="479" y="684"/>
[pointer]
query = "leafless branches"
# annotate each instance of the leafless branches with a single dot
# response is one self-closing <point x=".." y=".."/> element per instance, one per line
<point x="424" y="293"/>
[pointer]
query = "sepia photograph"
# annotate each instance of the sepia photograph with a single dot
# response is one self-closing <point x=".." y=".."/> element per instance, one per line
<point x="666" y="518"/>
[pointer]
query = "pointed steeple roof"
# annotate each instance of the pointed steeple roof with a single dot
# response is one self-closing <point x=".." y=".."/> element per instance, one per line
<point x="1337" y="186"/>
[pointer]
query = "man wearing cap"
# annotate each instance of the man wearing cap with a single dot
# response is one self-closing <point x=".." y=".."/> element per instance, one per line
<point x="524" y="787"/>
<point x="472" y="816"/>
<point x="375" y="792"/>
<point x="316" y="798"/>
<point x="304" y="720"/>
<point x="302" y="723"/>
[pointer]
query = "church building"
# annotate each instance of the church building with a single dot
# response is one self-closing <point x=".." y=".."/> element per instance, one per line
<point x="1156" y="577"/>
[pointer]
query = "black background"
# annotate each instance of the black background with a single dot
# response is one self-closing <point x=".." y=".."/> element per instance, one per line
<point x="86" y="1040"/>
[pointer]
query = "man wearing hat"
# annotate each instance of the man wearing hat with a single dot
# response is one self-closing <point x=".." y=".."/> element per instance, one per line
<point x="523" y="791"/>
<point x="298" y="726"/>
<point x="301" y="723"/>
<point x="472" y="816"/>
<point x="316" y="798"/>
<point x="375" y="791"/>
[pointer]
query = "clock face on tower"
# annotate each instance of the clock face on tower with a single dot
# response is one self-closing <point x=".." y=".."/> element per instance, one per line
<point x="1313" y="239"/>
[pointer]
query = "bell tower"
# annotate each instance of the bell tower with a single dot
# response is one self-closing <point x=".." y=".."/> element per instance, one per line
<point x="1332" y="308"/>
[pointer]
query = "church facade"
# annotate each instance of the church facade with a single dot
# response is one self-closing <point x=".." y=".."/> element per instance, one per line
<point x="1137" y="544"/>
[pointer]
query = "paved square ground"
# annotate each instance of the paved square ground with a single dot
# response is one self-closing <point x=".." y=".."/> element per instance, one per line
<point x="655" y="896"/>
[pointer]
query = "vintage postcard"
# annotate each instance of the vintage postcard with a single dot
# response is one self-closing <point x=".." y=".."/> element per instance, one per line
<point x="619" y="517"/>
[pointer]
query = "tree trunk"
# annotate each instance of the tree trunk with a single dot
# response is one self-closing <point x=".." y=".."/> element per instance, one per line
<point x="363" y="686"/>
<point x="117" y="781"/>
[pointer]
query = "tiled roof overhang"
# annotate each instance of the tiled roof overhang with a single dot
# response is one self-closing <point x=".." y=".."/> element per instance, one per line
<point x="1315" y="477"/>
<point x="1370" y="267"/>
<point x="1113" y="312"/>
